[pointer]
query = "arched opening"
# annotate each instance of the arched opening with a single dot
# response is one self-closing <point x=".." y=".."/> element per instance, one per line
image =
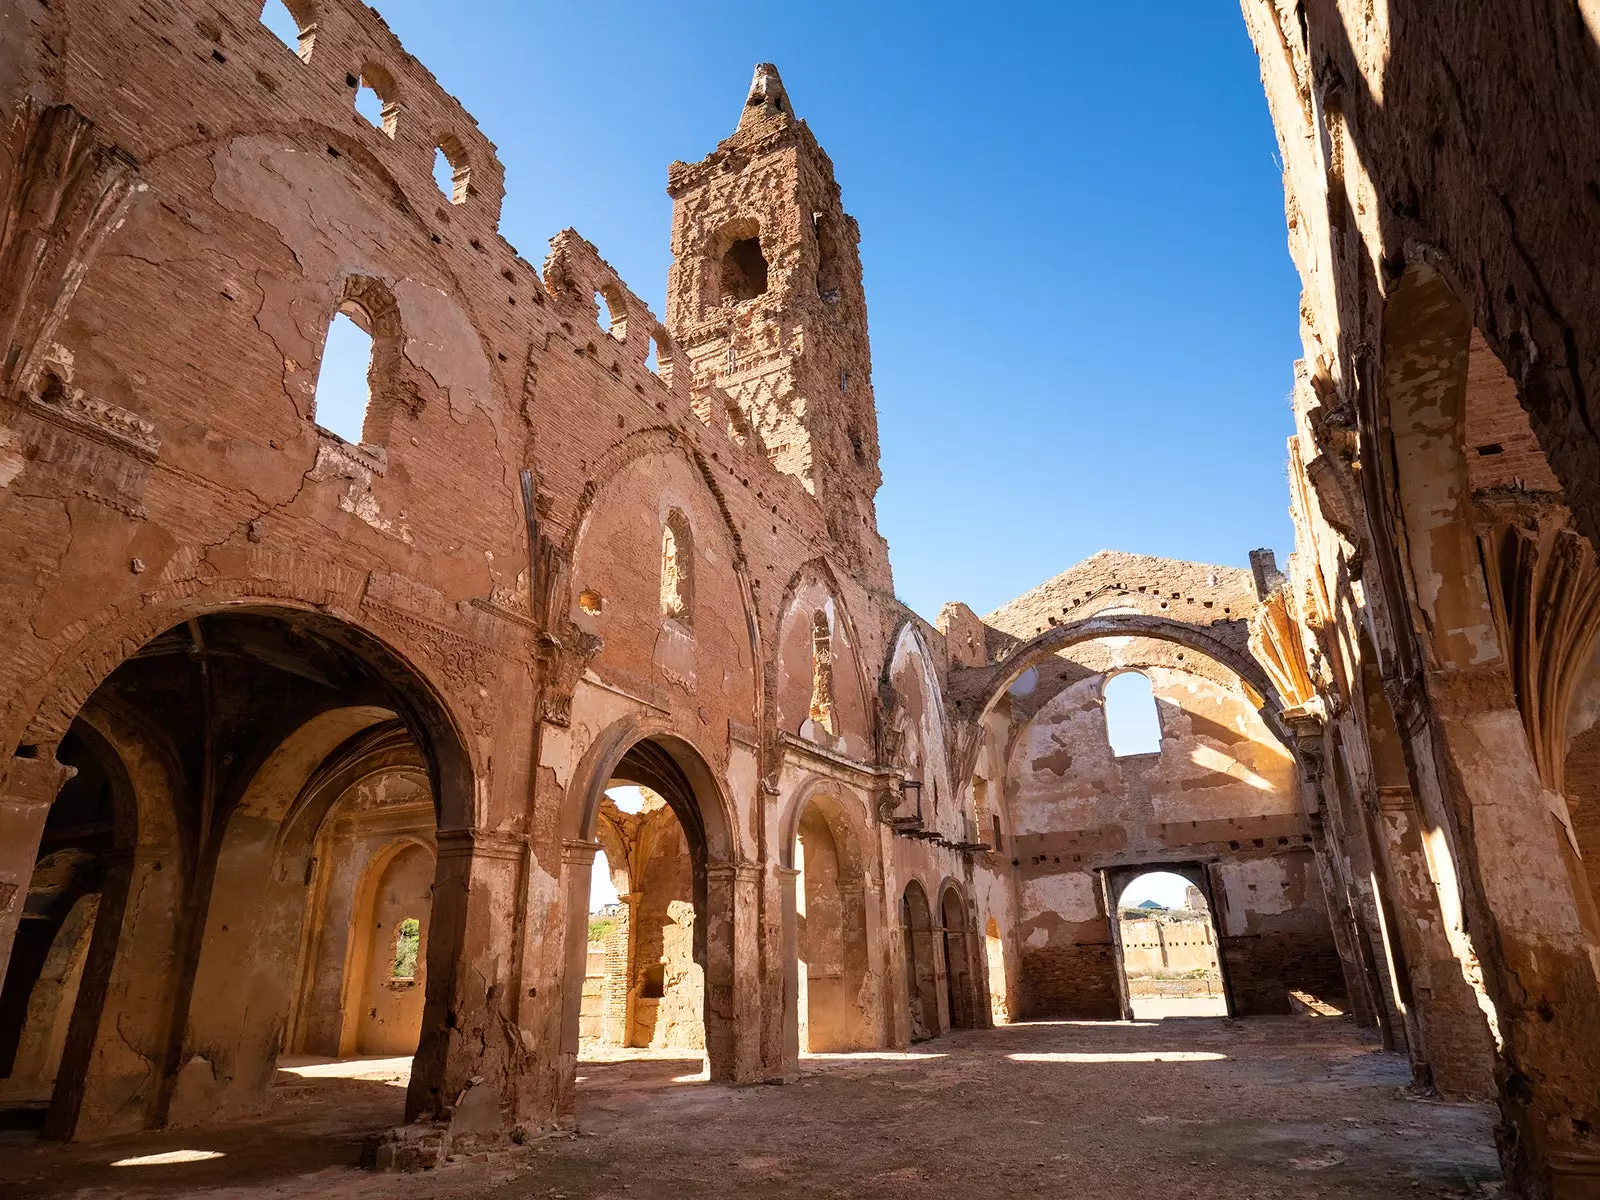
<point x="1167" y="944"/>
<point x="742" y="272"/>
<point x="343" y="378"/>
<point x="961" y="995"/>
<point x="1133" y="724"/>
<point x="245" y="767"/>
<point x="376" y="98"/>
<point x="44" y="976"/>
<point x="836" y="1009"/>
<point x="452" y="173"/>
<point x="363" y="964"/>
<point x="822" y="714"/>
<point x="922" y="987"/>
<point x="677" y="570"/>
<point x="660" y="987"/>
<point x="293" y="23"/>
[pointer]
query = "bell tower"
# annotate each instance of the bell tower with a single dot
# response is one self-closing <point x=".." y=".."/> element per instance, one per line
<point x="765" y="300"/>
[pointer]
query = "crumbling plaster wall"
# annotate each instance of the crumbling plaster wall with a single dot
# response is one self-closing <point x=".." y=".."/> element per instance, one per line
<point x="1221" y="790"/>
<point x="381" y="816"/>
<point x="1443" y="317"/>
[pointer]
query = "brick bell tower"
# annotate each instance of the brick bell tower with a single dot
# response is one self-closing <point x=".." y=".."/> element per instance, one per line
<point x="764" y="299"/>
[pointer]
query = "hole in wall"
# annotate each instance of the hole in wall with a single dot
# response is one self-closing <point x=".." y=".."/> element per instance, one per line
<point x="369" y="105"/>
<point x="444" y="175"/>
<point x="744" y="270"/>
<point x="407" y="943"/>
<point x="451" y="171"/>
<point x="1133" y="725"/>
<point x="343" y="391"/>
<point x="289" y="28"/>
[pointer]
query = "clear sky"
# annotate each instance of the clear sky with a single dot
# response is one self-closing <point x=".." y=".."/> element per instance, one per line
<point x="1083" y="313"/>
<point x="1165" y="888"/>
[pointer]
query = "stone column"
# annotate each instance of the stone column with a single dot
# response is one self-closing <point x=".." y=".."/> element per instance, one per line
<point x="1524" y="880"/>
<point x="1450" y="1035"/>
<point x="619" y="1016"/>
<point x="748" y="1011"/>
<point x="1349" y="938"/>
<point x="26" y="793"/>
<point x="472" y="1050"/>
<point x="789" y="949"/>
<point x="721" y="1050"/>
<point x="577" y="861"/>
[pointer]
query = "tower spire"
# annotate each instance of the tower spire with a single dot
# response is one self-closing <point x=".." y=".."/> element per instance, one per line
<point x="767" y="100"/>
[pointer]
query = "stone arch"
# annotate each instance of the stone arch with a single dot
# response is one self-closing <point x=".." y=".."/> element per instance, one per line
<point x="363" y="962"/>
<point x="1143" y="699"/>
<point x="1258" y="685"/>
<point x="239" y="843"/>
<point x="1117" y="881"/>
<point x="921" y="963"/>
<point x="677" y="568"/>
<point x="836" y="1002"/>
<point x="654" y="755"/>
<point x="658" y="439"/>
<point x="811" y="588"/>
<point x="41" y="1041"/>
<point x="958" y="946"/>
<point x="370" y="303"/>
<point x="611" y="594"/>
<point x="920" y="712"/>
<point x="56" y="697"/>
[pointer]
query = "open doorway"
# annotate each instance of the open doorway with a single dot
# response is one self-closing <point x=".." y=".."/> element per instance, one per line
<point x="1168" y="948"/>
<point x="643" y="988"/>
<point x="233" y="892"/>
<point x="654" y="949"/>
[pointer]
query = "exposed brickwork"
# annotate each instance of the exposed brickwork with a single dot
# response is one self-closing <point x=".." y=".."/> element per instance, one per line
<point x="1072" y="982"/>
<point x="1263" y="969"/>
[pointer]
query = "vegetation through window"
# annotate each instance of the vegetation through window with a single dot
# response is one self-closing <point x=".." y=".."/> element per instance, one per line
<point x="407" y="943"/>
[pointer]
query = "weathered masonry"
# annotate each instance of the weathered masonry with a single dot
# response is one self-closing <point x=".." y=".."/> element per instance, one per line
<point x="312" y="740"/>
<point x="1445" y="476"/>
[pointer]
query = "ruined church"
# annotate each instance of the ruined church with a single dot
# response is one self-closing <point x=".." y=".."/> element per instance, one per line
<point x="315" y="742"/>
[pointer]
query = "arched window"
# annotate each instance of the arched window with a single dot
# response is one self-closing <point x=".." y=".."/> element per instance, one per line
<point x="377" y="98"/>
<point x="451" y="170"/>
<point x="822" y="672"/>
<point x="293" y="22"/>
<point x="1133" y="725"/>
<point x="343" y="388"/>
<point x="677" y="569"/>
<point x="362" y="380"/>
<point x="407" y="944"/>
<point x="611" y="312"/>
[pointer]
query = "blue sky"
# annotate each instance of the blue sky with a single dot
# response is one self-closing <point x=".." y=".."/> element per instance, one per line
<point x="1083" y="313"/>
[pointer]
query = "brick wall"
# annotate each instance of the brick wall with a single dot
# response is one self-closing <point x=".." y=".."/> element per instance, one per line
<point x="1262" y="969"/>
<point x="1072" y="981"/>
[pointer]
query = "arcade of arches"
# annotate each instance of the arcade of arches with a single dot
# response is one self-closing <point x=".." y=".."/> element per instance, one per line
<point x="313" y="746"/>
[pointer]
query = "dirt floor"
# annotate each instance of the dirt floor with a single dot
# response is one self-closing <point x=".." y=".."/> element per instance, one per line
<point x="1155" y="1008"/>
<point x="1264" y="1109"/>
